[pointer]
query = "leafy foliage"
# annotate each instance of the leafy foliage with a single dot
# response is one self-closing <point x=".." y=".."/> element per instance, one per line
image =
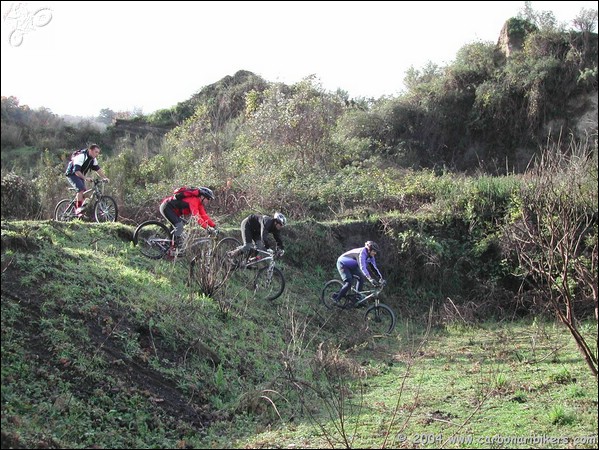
<point x="20" y="198"/>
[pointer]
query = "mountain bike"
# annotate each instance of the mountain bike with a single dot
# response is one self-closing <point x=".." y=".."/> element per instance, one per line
<point x="256" y="270"/>
<point x="156" y="240"/>
<point x="379" y="317"/>
<point x="102" y="207"/>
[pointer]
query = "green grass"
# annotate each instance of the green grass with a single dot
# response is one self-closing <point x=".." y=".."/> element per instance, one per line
<point x="103" y="347"/>
<point x="468" y="386"/>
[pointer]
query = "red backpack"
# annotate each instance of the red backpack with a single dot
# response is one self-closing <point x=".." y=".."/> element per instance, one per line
<point x="185" y="191"/>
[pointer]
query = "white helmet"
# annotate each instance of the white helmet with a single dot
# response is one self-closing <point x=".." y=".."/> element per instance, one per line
<point x="281" y="218"/>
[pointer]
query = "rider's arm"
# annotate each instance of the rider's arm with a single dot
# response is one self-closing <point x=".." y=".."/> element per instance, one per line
<point x="197" y="209"/>
<point x="373" y="262"/>
<point x="263" y="230"/>
<point x="101" y="173"/>
<point x="277" y="235"/>
<point x="363" y="264"/>
<point x="79" y="174"/>
<point x="77" y="165"/>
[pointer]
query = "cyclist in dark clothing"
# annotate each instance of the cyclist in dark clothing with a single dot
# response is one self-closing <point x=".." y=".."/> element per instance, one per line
<point x="254" y="229"/>
<point x="80" y="164"/>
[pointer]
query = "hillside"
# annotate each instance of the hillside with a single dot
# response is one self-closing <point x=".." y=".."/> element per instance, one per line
<point x="480" y="185"/>
<point x="102" y="347"/>
<point x="90" y="323"/>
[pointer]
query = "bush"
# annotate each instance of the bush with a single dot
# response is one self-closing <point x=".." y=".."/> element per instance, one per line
<point x="20" y="198"/>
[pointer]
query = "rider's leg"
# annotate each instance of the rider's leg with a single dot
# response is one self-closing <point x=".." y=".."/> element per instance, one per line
<point x="346" y="277"/>
<point x="361" y="298"/>
<point x="78" y="184"/>
<point x="169" y="214"/>
<point x="361" y="281"/>
<point x="246" y="237"/>
<point x="245" y="249"/>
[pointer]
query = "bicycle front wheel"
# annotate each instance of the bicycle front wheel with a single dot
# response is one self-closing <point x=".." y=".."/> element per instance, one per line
<point x="153" y="239"/>
<point x="106" y="210"/>
<point x="222" y="263"/>
<point x="269" y="285"/>
<point x="64" y="211"/>
<point x="380" y="319"/>
<point x="221" y="257"/>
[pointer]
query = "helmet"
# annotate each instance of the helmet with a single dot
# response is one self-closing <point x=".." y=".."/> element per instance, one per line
<point x="281" y="218"/>
<point x="206" y="192"/>
<point x="371" y="245"/>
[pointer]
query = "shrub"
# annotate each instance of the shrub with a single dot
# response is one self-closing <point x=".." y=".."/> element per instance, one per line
<point x="20" y="198"/>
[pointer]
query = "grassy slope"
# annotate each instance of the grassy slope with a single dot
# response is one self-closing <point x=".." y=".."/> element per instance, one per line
<point x="102" y="347"/>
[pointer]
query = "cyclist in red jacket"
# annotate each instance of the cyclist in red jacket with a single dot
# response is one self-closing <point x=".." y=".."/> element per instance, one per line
<point x="185" y="202"/>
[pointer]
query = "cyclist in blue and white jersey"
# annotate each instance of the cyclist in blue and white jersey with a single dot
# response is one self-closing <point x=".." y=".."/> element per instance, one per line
<point x="358" y="261"/>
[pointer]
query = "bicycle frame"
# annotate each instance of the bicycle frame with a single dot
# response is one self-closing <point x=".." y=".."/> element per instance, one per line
<point x="101" y="207"/>
<point x="257" y="272"/>
<point x="96" y="192"/>
<point x="369" y="294"/>
<point x="379" y="317"/>
<point x="262" y="257"/>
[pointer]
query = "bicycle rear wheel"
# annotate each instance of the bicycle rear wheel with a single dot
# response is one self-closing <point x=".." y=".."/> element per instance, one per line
<point x="64" y="211"/>
<point x="222" y="263"/>
<point x="326" y="296"/>
<point x="269" y="287"/>
<point x="106" y="210"/>
<point x="153" y="239"/>
<point x="380" y="319"/>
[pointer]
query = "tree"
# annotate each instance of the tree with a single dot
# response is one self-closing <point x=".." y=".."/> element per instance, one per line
<point x="586" y="20"/>
<point x="106" y="116"/>
<point x="556" y="238"/>
<point x="297" y="121"/>
<point x="545" y="20"/>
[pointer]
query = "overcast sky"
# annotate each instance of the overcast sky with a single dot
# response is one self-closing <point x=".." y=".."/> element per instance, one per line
<point x="80" y="57"/>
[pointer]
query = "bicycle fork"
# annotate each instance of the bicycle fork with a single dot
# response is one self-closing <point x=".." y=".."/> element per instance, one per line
<point x="378" y="317"/>
<point x="269" y="272"/>
<point x="266" y="280"/>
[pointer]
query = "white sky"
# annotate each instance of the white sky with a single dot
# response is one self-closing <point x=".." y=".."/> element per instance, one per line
<point x="152" y="55"/>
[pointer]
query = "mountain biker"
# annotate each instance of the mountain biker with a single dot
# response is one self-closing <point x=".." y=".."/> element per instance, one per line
<point x="83" y="161"/>
<point x="254" y="229"/>
<point x="356" y="262"/>
<point x="188" y="201"/>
